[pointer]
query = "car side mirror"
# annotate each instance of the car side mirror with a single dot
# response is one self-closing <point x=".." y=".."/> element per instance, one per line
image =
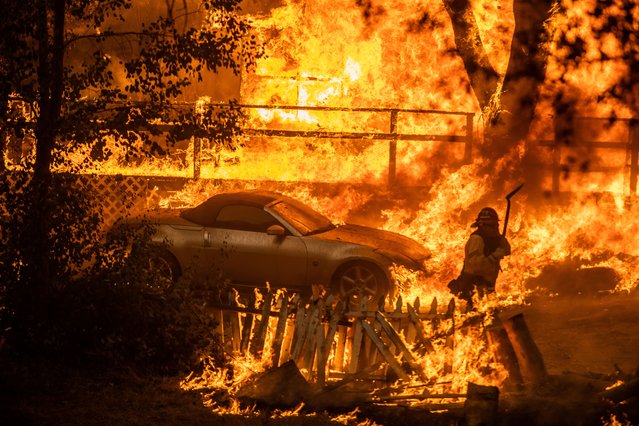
<point x="276" y="230"/>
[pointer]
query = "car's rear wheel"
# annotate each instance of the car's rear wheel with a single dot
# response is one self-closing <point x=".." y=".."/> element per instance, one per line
<point x="160" y="269"/>
<point x="356" y="280"/>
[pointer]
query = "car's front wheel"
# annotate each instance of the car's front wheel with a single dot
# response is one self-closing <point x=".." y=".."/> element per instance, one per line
<point x="160" y="269"/>
<point x="356" y="280"/>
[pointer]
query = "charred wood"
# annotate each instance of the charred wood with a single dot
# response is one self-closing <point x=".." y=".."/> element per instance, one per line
<point x="257" y="344"/>
<point x="280" y="328"/>
<point x="282" y="386"/>
<point x="505" y="355"/>
<point x="531" y="363"/>
<point x="392" y="362"/>
<point x="481" y="406"/>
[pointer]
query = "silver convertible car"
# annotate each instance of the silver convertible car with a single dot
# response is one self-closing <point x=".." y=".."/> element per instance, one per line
<point x="252" y="238"/>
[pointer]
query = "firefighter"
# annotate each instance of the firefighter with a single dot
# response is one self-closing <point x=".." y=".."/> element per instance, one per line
<point x="484" y="249"/>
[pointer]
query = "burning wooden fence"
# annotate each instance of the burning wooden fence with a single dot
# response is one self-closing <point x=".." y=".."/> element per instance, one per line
<point x="329" y="340"/>
<point x="323" y="339"/>
<point x="333" y="344"/>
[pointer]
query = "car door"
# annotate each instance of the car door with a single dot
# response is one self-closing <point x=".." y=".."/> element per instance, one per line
<point x="247" y="255"/>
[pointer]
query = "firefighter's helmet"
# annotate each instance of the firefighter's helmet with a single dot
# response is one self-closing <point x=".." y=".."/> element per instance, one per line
<point x="487" y="215"/>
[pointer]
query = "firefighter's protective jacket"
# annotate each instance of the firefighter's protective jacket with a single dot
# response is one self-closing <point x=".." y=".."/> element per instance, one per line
<point x="481" y="260"/>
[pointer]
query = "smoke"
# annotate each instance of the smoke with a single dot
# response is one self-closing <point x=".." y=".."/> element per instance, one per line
<point x="220" y="86"/>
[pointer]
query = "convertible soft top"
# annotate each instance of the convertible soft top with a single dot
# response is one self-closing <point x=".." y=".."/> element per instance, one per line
<point x="205" y="213"/>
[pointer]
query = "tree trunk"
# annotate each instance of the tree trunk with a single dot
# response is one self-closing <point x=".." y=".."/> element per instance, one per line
<point x="483" y="78"/>
<point x="517" y="97"/>
<point x="51" y="87"/>
<point x="524" y="76"/>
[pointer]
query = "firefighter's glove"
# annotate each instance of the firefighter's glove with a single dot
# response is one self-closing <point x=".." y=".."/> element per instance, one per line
<point x="499" y="253"/>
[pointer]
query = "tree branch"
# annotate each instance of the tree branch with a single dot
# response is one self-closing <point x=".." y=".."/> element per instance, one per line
<point x="109" y="34"/>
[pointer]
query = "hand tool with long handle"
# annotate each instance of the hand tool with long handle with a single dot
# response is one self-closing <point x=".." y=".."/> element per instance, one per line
<point x="508" y="197"/>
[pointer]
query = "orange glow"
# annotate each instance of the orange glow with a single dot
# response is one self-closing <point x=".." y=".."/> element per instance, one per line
<point x="329" y="55"/>
<point x="336" y="54"/>
<point x="397" y="55"/>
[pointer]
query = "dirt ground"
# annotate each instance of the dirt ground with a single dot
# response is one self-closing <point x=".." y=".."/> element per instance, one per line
<point x="585" y="333"/>
<point x="576" y="334"/>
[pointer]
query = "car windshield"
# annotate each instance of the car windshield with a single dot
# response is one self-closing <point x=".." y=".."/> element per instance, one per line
<point x="306" y="220"/>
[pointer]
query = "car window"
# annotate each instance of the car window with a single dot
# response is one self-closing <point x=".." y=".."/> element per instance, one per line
<point x="306" y="220"/>
<point x="244" y="218"/>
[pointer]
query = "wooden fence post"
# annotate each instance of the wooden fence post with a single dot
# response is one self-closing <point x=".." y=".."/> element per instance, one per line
<point x="528" y="355"/>
<point x="257" y="344"/>
<point x="282" y="304"/>
<point x="422" y="340"/>
<point x="301" y="327"/>
<point x="289" y="332"/>
<point x="314" y="327"/>
<point x="411" y="328"/>
<point x="247" y="326"/>
<point x="232" y="323"/>
<point x="325" y="350"/>
<point x="356" y="345"/>
<point x="481" y="406"/>
<point x="340" y="347"/>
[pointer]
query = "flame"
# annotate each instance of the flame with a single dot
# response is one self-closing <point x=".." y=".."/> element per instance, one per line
<point x="613" y="420"/>
<point x="397" y="54"/>
<point x="215" y="380"/>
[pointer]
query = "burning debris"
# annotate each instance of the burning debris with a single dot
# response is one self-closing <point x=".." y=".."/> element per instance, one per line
<point x="442" y="359"/>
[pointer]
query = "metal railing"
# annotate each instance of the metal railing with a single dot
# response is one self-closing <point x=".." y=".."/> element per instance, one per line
<point x="391" y="133"/>
<point x="558" y="145"/>
<point x="630" y="145"/>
